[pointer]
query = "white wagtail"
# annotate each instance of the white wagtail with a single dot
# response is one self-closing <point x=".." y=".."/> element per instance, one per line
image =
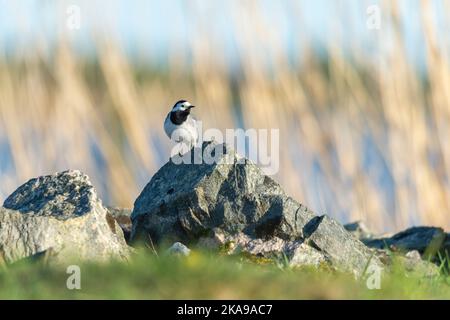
<point x="181" y="127"/>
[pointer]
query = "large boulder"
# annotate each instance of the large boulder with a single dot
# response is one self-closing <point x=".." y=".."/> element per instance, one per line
<point x="186" y="201"/>
<point x="62" y="214"/>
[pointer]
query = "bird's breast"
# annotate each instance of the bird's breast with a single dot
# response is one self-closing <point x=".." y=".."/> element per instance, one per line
<point x="186" y="131"/>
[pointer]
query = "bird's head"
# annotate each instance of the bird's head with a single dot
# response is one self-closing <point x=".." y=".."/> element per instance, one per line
<point x="182" y="106"/>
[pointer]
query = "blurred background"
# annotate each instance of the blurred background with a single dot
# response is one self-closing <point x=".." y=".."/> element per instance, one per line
<point x="363" y="107"/>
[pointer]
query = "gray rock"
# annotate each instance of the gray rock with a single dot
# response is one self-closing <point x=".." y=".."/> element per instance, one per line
<point x="408" y="263"/>
<point x="184" y="202"/>
<point x="297" y="253"/>
<point x="413" y="255"/>
<point x="304" y="255"/>
<point x="326" y="243"/>
<point x="427" y="240"/>
<point x="343" y="250"/>
<point x="179" y="249"/>
<point x="413" y="263"/>
<point x="122" y="217"/>
<point x="60" y="213"/>
<point x="215" y="240"/>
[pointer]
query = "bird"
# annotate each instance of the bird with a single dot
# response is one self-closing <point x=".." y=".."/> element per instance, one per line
<point x="180" y="126"/>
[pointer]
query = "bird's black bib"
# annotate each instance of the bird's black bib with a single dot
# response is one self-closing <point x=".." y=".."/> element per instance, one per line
<point x="178" y="117"/>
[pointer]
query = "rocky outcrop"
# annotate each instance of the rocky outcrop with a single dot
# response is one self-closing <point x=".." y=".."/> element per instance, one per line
<point x="61" y="214"/>
<point x="185" y="202"/>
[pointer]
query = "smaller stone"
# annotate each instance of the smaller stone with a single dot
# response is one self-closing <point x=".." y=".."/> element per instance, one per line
<point x="179" y="249"/>
<point x="413" y="255"/>
<point x="414" y="264"/>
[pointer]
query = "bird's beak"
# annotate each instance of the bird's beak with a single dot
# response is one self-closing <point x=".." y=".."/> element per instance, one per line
<point x="190" y="107"/>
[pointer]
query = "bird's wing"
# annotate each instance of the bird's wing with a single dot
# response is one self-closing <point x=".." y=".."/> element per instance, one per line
<point x="168" y="126"/>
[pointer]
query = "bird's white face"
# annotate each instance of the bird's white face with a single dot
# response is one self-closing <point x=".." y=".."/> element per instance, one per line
<point x="182" y="106"/>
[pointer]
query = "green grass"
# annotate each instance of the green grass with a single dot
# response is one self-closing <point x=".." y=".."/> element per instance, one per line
<point x="208" y="276"/>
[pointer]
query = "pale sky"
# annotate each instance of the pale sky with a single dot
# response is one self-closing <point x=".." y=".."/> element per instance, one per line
<point x="154" y="27"/>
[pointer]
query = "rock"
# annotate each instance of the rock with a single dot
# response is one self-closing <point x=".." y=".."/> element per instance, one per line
<point x="214" y="240"/>
<point x="342" y="249"/>
<point x="413" y="263"/>
<point x="179" y="249"/>
<point x="410" y="263"/>
<point x="185" y="202"/>
<point x="304" y="255"/>
<point x="122" y="217"/>
<point x="359" y="230"/>
<point x="297" y="253"/>
<point x="427" y="240"/>
<point x="413" y="255"/>
<point x="62" y="214"/>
